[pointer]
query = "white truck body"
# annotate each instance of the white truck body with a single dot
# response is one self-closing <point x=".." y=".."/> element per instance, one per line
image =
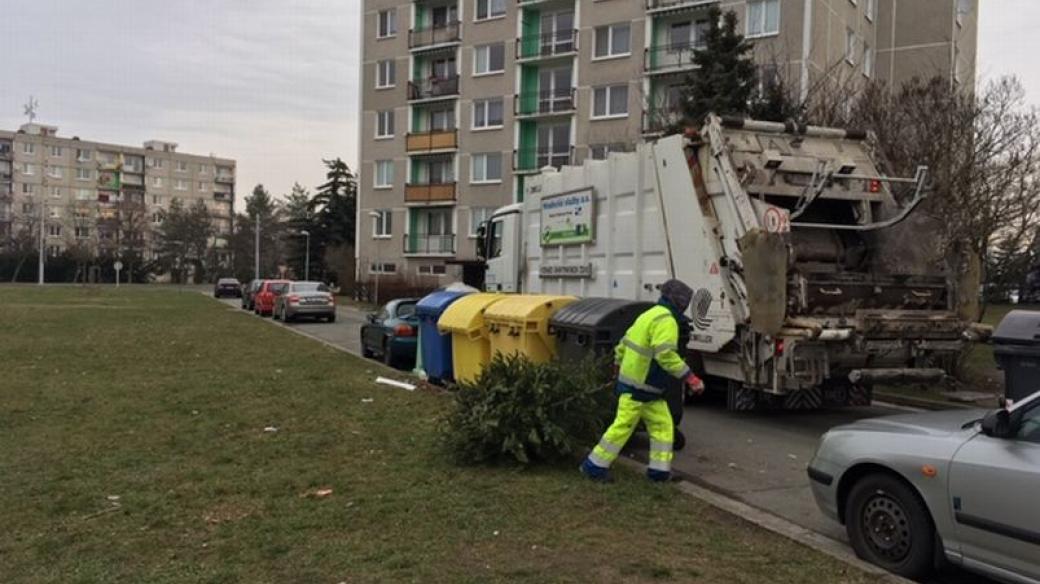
<point x="804" y="290"/>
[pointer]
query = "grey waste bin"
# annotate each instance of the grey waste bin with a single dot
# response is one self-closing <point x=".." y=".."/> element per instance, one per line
<point x="1016" y="347"/>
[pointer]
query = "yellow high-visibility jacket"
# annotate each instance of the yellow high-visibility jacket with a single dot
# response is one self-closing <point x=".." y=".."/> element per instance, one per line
<point x="654" y="336"/>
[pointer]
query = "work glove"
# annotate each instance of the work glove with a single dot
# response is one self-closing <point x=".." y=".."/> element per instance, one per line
<point x="694" y="383"/>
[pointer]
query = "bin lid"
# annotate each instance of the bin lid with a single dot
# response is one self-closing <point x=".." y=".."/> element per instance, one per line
<point x="599" y="313"/>
<point x="434" y="303"/>
<point x="1019" y="327"/>
<point x="466" y="314"/>
<point x="527" y="307"/>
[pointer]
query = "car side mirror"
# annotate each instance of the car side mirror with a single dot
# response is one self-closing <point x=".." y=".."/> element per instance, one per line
<point x="997" y="424"/>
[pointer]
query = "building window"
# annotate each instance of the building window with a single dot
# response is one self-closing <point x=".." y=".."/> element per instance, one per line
<point x="156" y="181"/>
<point x="382" y="226"/>
<point x="477" y="217"/>
<point x="28" y="169"/>
<point x="385" y="124"/>
<point x="963" y="9"/>
<point x="84" y="195"/>
<point x="850" y="46"/>
<point x="54" y="171"/>
<point x="613" y="41"/>
<point x="156" y="218"/>
<point x="601" y="151"/>
<point x="180" y="184"/>
<point x="490" y="9"/>
<point x="54" y="230"/>
<point x="84" y="174"/>
<point x="55" y="151"/>
<point x="28" y="148"/>
<point x="432" y="270"/>
<point x="384" y="176"/>
<point x="203" y="169"/>
<point x="55" y="192"/>
<point x="489" y="59"/>
<point x="386" y="23"/>
<point x="868" y="60"/>
<point x="182" y="166"/>
<point x="487" y="113"/>
<point x="487" y="168"/>
<point x="610" y="101"/>
<point x="53" y="250"/>
<point x="157" y="199"/>
<point x="871" y="10"/>
<point x="83" y="155"/>
<point x="763" y="18"/>
<point x="82" y="232"/>
<point x="382" y="268"/>
<point x="386" y="74"/>
<point x="155" y="162"/>
<point x="27" y="189"/>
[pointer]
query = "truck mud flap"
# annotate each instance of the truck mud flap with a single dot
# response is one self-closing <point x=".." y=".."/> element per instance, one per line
<point x="804" y="399"/>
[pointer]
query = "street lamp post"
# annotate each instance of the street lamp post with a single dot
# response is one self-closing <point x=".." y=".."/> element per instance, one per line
<point x="256" y="251"/>
<point x="43" y="221"/>
<point x="307" y="258"/>
<point x="375" y="215"/>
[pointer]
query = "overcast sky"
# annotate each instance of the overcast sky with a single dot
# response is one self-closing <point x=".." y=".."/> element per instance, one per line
<point x="270" y="83"/>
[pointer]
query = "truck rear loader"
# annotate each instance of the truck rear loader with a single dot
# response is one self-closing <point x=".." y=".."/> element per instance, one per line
<point x="809" y="288"/>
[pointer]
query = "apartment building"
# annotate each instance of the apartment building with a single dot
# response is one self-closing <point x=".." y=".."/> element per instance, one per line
<point x="88" y="192"/>
<point x="463" y="100"/>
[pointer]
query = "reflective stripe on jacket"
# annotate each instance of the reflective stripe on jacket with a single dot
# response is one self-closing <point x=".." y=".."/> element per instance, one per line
<point x="654" y="336"/>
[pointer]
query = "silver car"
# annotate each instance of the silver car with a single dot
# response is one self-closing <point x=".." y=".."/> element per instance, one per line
<point x="961" y="486"/>
<point x="312" y="299"/>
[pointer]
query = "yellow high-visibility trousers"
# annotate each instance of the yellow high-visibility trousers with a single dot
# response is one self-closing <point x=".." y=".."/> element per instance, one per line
<point x="658" y="420"/>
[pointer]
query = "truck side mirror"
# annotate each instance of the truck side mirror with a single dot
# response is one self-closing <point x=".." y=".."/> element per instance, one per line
<point x="997" y="424"/>
<point x="482" y="241"/>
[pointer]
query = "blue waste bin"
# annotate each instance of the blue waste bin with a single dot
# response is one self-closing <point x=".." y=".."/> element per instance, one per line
<point x="434" y="346"/>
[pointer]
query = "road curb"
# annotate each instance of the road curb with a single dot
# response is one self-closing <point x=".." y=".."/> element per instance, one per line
<point x="778" y="525"/>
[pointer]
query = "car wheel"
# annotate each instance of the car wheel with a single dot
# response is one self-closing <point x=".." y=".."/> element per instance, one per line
<point x="332" y="318"/>
<point x="889" y="526"/>
<point x="286" y="316"/>
<point x="365" y="352"/>
<point x="388" y="354"/>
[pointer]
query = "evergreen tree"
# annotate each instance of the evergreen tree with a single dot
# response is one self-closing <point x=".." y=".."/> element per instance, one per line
<point x="335" y="210"/>
<point x="300" y="216"/>
<point x="184" y="238"/>
<point x="258" y="204"/>
<point x="725" y="79"/>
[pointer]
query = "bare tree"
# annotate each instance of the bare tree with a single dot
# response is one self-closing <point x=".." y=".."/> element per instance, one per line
<point x="25" y="233"/>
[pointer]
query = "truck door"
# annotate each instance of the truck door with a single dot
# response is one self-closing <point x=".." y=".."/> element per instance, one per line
<point x="993" y="488"/>
<point x="503" y="253"/>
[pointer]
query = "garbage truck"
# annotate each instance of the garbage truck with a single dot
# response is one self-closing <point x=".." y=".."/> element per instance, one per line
<point x="809" y="285"/>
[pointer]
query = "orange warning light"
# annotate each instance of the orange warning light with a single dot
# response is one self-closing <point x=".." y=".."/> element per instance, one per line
<point x="929" y="471"/>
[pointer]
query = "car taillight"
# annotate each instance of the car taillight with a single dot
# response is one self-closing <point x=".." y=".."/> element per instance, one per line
<point x="293" y="299"/>
<point x="403" y="330"/>
<point x="779" y="350"/>
<point x="874" y="186"/>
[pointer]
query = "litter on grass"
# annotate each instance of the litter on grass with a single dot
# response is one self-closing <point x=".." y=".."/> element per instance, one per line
<point x="395" y="383"/>
<point x="271" y="429"/>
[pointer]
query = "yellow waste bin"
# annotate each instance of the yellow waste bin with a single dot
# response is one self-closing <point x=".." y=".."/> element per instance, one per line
<point x="520" y="324"/>
<point x="464" y="321"/>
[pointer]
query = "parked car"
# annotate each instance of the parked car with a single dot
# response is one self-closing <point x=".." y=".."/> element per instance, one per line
<point x="263" y="300"/>
<point x="249" y="292"/>
<point x="391" y="333"/>
<point x="312" y="299"/>
<point x="958" y="485"/>
<point x="227" y="287"/>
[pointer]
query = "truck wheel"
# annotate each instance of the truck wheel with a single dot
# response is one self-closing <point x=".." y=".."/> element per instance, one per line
<point x="890" y="527"/>
<point x="740" y="398"/>
<point x="679" y="440"/>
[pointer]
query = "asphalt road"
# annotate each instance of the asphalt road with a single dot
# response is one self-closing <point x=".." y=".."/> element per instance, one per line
<point x="759" y="458"/>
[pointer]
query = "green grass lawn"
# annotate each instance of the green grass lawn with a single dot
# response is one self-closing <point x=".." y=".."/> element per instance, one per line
<point x="132" y="449"/>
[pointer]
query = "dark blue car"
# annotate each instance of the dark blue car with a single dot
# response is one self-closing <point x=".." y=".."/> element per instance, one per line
<point x="392" y="333"/>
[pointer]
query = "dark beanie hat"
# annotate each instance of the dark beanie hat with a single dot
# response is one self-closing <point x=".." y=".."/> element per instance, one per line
<point x="678" y="293"/>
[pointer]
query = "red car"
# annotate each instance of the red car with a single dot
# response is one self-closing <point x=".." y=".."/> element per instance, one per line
<point x="263" y="302"/>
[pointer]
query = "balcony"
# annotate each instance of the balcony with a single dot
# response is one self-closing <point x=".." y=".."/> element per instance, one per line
<point x="434" y="36"/>
<point x="533" y="159"/>
<point x="5" y="153"/>
<point x="670" y="58"/>
<point x="660" y="119"/>
<point x="421" y="244"/>
<point x="434" y="88"/>
<point x="221" y="196"/>
<point x="429" y="193"/>
<point x="547" y="46"/>
<point x="225" y="178"/>
<point x="432" y="140"/>
<point x="657" y="6"/>
<point x="549" y="102"/>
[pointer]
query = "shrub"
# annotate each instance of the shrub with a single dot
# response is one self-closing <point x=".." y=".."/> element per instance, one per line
<point x="529" y="412"/>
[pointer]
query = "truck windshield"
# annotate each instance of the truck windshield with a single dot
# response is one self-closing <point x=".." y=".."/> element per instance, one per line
<point x="495" y="249"/>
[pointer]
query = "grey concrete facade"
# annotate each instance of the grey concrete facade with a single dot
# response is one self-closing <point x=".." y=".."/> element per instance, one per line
<point x="433" y="198"/>
<point x="85" y="190"/>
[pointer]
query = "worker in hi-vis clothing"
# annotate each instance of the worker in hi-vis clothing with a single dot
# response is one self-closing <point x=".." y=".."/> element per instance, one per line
<point x="647" y="355"/>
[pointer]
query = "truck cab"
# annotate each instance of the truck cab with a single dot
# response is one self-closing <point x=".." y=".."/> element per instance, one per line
<point x="500" y="246"/>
